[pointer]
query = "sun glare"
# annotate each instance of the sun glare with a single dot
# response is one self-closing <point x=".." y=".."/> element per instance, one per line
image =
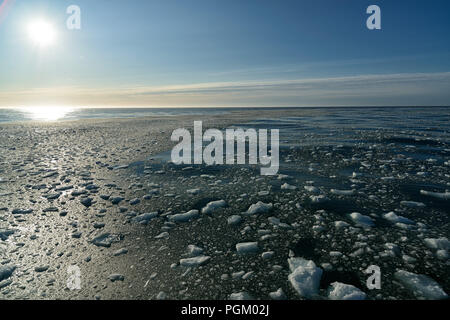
<point x="42" y="33"/>
<point x="47" y="113"/>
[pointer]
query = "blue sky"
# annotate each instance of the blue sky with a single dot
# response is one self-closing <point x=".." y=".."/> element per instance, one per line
<point x="227" y="53"/>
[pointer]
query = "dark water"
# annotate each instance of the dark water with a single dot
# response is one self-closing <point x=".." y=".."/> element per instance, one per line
<point x="424" y="126"/>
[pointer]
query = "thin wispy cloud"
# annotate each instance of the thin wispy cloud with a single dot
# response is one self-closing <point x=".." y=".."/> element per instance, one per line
<point x="386" y="89"/>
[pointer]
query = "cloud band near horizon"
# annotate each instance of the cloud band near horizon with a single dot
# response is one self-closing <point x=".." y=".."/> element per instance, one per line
<point x="402" y="89"/>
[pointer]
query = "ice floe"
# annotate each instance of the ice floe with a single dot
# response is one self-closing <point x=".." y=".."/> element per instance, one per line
<point x="392" y="217"/>
<point x="194" y="261"/>
<point x="106" y="239"/>
<point x="412" y="204"/>
<point x="259" y="207"/>
<point x="22" y="211"/>
<point x="341" y="291"/>
<point x="278" y="295"/>
<point x="184" y="217"/>
<point x="234" y="220"/>
<point x="213" y="206"/>
<point x="6" y="271"/>
<point x="312" y="189"/>
<point x="287" y="186"/>
<point x="194" y="250"/>
<point x="145" y="218"/>
<point x="240" y="296"/>
<point x="116" y="277"/>
<point x="304" y="277"/>
<point x="5" y="233"/>
<point x="343" y="192"/>
<point x="444" y="196"/>
<point x="361" y="219"/>
<point x="319" y="199"/>
<point x="422" y="286"/>
<point x="439" y="243"/>
<point x="247" y="247"/>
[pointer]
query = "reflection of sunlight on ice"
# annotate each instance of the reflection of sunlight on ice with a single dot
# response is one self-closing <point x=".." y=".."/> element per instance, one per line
<point x="47" y="113"/>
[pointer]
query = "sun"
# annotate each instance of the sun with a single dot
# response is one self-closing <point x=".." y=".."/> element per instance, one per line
<point x="42" y="33"/>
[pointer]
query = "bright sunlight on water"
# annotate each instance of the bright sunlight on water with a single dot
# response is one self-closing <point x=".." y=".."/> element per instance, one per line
<point x="47" y="113"/>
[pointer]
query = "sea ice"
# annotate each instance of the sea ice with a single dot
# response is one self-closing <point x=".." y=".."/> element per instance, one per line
<point x="277" y="295"/>
<point x="260" y="207"/>
<point x="247" y="247"/>
<point x="392" y="217"/>
<point x="287" y="186"/>
<point x="444" y="196"/>
<point x="194" y="250"/>
<point x="120" y="252"/>
<point x="234" y="220"/>
<point x="277" y="222"/>
<point x="42" y="268"/>
<point x="5" y="233"/>
<point x="145" y="218"/>
<point x="22" y="211"/>
<point x="213" y="206"/>
<point x="116" y="200"/>
<point x="267" y="255"/>
<point x="184" y="217"/>
<point x="304" y="277"/>
<point x="116" y="277"/>
<point x="318" y="199"/>
<point x="105" y="240"/>
<point x="162" y="235"/>
<point x="193" y="191"/>
<point x="412" y="204"/>
<point x="134" y="202"/>
<point x="6" y="271"/>
<point x="421" y="285"/>
<point x="340" y="224"/>
<point x="440" y="243"/>
<point x="341" y="291"/>
<point x="362" y="220"/>
<point x="194" y="261"/>
<point x="343" y="192"/>
<point x="312" y="189"/>
<point x="240" y="296"/>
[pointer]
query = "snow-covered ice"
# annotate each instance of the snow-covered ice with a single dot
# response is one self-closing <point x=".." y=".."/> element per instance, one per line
<point x="341" y="291"/>
<point x="304" y="277"/>
<point x="260" y="207"/>
<point x="361" y="219"/>
<point x="392" y="217"/>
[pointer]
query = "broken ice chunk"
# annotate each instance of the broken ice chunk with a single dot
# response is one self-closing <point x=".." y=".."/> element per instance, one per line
<point x="341" y="291"/>
<point x="422" y="286"/>
<point x="213" y="206"/>
<point x="260" y="207"/>
<point x="361" y="219"/>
